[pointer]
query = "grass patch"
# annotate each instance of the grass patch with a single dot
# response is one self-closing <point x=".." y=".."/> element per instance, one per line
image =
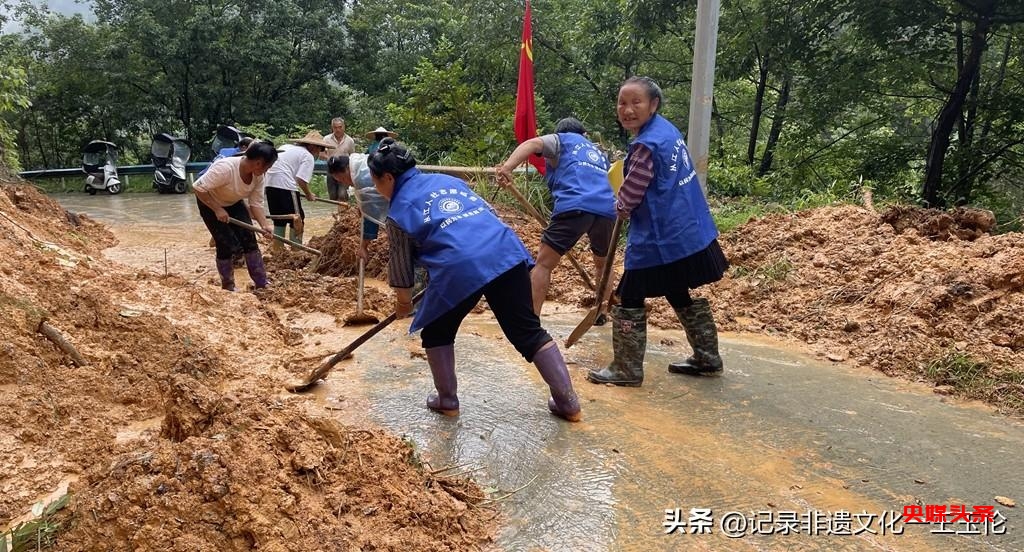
<point x="974" y="379"/>
<point x="37" y="534"/>
<point x="732" y="212"/>
<point x="136" y="183"/>
<point x="773" y="271"/>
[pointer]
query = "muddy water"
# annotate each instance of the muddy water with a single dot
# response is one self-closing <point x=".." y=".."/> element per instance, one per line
<point x="778" y="435"/>
<point x="164" y="233"/>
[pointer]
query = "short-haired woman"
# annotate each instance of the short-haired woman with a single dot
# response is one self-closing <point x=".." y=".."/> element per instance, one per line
<point x="220" y="194"/>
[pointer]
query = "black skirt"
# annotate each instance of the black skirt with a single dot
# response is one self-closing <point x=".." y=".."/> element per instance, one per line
<point x="703" y="267"/>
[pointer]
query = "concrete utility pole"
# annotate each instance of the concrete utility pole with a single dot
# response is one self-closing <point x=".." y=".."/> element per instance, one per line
<point x="698" y="137"/>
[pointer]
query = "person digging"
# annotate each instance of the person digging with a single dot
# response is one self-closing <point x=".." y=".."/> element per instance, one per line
<point x="438" y="222"/>
<point x="577" y="177"/>
<point x="292" y="173"/>
<point x="221" y="194"/>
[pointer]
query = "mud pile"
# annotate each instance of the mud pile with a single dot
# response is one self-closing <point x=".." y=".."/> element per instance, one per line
<point x="242" y="472"/>
<point x="339" y="258"/>
<point x="962" y="223"/>
<point x="340" y="244"/>
<point x="305" y="291"/>
<point x="172" y="431"/>
<point x="901" y="292"/>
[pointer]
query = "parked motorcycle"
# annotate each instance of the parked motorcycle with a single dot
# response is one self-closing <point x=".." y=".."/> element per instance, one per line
<point x="225" y="144"/>
<point x="170" y="154"/>
<point x="225" y="138"/>
<point x="99" y="162"/>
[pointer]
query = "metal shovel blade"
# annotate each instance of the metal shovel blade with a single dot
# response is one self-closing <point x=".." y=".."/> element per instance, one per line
<point x="582" y="328"/>
<point x="325" y="367"/>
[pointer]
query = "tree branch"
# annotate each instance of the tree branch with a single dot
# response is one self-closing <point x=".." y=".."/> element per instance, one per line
<point x="837" y="140"/>
<point x="58" y="339"/>
<point x="564" y="57"/>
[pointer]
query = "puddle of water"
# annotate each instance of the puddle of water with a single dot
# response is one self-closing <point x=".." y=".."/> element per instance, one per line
<point x="154" y="209"/>
<point x="164" y="233"/>
<point x="767" y="437"/>
<point x="137" y="430"/>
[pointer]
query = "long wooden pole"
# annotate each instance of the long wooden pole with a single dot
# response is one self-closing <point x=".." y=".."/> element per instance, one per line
<point x="254" y="228"/>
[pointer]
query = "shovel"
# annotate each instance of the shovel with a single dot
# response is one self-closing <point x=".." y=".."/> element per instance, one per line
<point x="326" y="366"/>
<point x="602" y="287"/>
<point x="254" y="228"/>
<point x="359" y="317"/>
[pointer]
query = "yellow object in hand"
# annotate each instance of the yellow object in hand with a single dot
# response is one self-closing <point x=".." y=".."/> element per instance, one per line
<point x="615" y="176"/>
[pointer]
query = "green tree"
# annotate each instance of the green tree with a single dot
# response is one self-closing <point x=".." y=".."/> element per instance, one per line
<point x="13" y="98"/>
<point x="445" y="116"/>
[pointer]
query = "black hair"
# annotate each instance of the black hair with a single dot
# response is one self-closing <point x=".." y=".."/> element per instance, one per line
<point x="262" y="150"/>
<point x="337" y="163"/>
<point x="651" y="87"/>
<point x="245" y="142"/>
<point x="380" y="136"/>
<point x="570" y="125"/>
<point x="391" y="157"/>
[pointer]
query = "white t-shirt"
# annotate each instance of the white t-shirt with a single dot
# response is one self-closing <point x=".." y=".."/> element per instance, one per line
<point x="223" y="181"/>
<point x="292" y="162"/>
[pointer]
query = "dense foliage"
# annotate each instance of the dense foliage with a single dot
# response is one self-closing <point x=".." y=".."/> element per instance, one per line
<point x="919" y="99"/>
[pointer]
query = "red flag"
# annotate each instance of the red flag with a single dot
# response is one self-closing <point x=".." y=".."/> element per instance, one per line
<point x="526" y="114"/>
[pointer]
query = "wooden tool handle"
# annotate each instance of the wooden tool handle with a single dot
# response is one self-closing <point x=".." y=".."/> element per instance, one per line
<point x="255" y="228"/>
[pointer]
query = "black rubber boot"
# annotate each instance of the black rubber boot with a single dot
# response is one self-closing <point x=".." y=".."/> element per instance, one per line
<point x="563" y="401"/>
<point x="226" y="269"/>
<point x="442" y="367"/>
<point x="702" y="334"/>
<point x="629" y="341"/>
<point x="257" y="270"/>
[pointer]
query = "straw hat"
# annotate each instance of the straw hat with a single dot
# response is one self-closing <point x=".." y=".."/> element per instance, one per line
<point x="381" y="130"/>
<point x="313" y="138"/>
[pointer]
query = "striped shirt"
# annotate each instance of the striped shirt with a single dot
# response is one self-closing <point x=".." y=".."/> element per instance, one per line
<point x="639" y="175"/>
<point x="401" y="271"/>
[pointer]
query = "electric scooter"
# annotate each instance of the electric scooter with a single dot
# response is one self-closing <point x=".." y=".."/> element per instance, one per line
<point x="170" y="154"/>
<point x="99" y="162"/>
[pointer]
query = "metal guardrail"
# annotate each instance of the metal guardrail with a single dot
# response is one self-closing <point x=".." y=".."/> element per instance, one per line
<point x="192" y="168"/>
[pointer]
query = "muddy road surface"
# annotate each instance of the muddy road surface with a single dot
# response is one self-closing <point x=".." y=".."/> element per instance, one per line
<point x="781" y="453"/>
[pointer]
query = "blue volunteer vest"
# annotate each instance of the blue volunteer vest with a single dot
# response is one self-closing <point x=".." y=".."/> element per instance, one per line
<point x="460" y="241"/>
<point x="580" y="181"/>
<point x="673" y="220"/>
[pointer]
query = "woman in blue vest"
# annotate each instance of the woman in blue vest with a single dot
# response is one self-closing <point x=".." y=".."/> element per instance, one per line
<point x="672" y="246"/>
<point x="438" y="222"/>
<point x="577" y="176"/>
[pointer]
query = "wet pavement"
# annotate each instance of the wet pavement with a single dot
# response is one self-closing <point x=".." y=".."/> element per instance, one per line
<point x="780" y="438"/>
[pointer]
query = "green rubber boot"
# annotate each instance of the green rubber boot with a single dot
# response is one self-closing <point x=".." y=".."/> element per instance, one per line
<point x="277" y="247"/>
<point x="702" y="334"/>
<point x="629" y="341"/>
